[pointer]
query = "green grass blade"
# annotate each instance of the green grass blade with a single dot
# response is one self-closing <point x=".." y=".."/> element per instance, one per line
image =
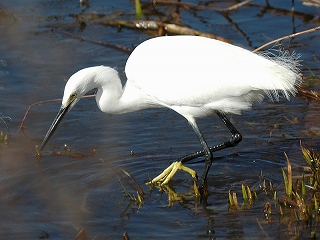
<point x="139" y="13"/>
<point x="244" y="193"/>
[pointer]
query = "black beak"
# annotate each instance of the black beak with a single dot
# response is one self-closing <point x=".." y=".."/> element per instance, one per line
<point x="62" y="112"/>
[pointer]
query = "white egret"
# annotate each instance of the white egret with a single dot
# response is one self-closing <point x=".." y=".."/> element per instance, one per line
<point x="194" y="76"/>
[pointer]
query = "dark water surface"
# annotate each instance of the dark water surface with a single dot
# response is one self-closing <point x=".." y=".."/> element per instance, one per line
<point x="60" y="195"/>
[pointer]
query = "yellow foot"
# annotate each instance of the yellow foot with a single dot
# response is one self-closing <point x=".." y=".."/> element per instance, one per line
<point x="169" y="172"/>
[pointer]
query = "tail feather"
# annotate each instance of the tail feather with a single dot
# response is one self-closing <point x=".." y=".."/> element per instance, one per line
<point x="284" y="68"/>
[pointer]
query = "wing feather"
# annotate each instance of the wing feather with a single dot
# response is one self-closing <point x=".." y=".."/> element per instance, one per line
<point x="195" y="72"/>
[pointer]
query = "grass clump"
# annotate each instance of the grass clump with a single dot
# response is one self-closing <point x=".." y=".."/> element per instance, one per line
<point x="295" y="206"/>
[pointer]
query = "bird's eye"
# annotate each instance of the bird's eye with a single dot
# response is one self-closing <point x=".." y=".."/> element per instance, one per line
<point x="73" y="96"/>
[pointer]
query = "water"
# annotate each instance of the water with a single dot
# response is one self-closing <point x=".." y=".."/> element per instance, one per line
<point x="61" y="195"/>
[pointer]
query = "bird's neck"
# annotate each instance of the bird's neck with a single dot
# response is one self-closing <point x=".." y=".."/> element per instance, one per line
<point x="116" y="99"/>
<point x="108" y="97"/>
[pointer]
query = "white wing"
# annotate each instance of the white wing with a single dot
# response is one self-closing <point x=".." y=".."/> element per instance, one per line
<point x="198" y="72"/>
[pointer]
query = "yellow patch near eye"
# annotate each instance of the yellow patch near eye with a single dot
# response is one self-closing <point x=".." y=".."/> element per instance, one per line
<point x="70" y="100"/>
<point x="65" y="104"/>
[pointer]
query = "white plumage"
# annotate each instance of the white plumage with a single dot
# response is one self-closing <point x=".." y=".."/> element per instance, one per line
<point x="194" y="76"/>
<point x="189" y="71"/>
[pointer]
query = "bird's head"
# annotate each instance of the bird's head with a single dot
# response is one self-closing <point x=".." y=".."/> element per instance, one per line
<point x="78" y="85"/>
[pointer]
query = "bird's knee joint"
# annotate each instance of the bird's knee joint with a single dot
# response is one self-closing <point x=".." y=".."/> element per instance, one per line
<point x="236" y="138"/>
<point x="208" y="155"/>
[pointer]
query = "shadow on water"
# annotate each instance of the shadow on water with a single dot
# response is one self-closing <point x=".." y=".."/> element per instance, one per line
<point x="44" y="42"/>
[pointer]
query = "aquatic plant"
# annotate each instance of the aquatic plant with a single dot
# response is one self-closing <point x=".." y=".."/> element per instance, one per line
<point x="4" y="137"/>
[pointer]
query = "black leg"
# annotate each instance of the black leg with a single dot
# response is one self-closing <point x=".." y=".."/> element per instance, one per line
<point x="168" y="173"/>
<point x="234" y="140"/>
<point x="208" y="157"/>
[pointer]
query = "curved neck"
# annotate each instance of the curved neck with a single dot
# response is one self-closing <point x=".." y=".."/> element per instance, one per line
<point x="113" y="98"/>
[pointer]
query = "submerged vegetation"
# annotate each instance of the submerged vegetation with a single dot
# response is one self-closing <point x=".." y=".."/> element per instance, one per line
<point x="4" y="136"/>
<point x="295" y="205"/>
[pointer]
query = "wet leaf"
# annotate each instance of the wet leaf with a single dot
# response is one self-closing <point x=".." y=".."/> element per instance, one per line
<point x="285" y="179"/>
<point x="276" y="126"/>
<point x="244" y="193"/>
<point x="289" y="136"/>
<point x="267" y="211"/>
<point x="1" y="136"/>
<point x="231" y="202"/>
<point x="81" y="235"/>
<point x="4" y="138"/>
<point x="303" y="187"/>
<point x="249" y="195"/>
<point x="196" y="189"/>
<point x="293" y="120"/>
<point x="125" y="236"/>
<point x="307" y="157"/>
<point x="314" y="131"/>
<point x="38" y="153"/>
<point x="235" y="200"/>
<point x="287" y="202"/>
<point x="316" y="204"/>
<point x="312" y="158"/>
<point x="69" y="153"/>
<point x="289" y="178"/>
<point x="310" y="95"/>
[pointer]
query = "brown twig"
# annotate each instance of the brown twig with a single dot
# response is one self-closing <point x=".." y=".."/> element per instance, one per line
<point x="171" y="28"/>
<point x="2" y="119"/>
<point x="106" y="44"/>
<point x="310" y="95"/>
<point x="187" y="5"/>
<point x="133" y="179"/>
<point x="42" y="102"/>
<point x="287" y="37"/>
<point x="31" y="106"/>
<point x="261" y="228"/>
<point x="234" y="7"/>
<point x="136" y="188"/>
<point x="81" y="235"/>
